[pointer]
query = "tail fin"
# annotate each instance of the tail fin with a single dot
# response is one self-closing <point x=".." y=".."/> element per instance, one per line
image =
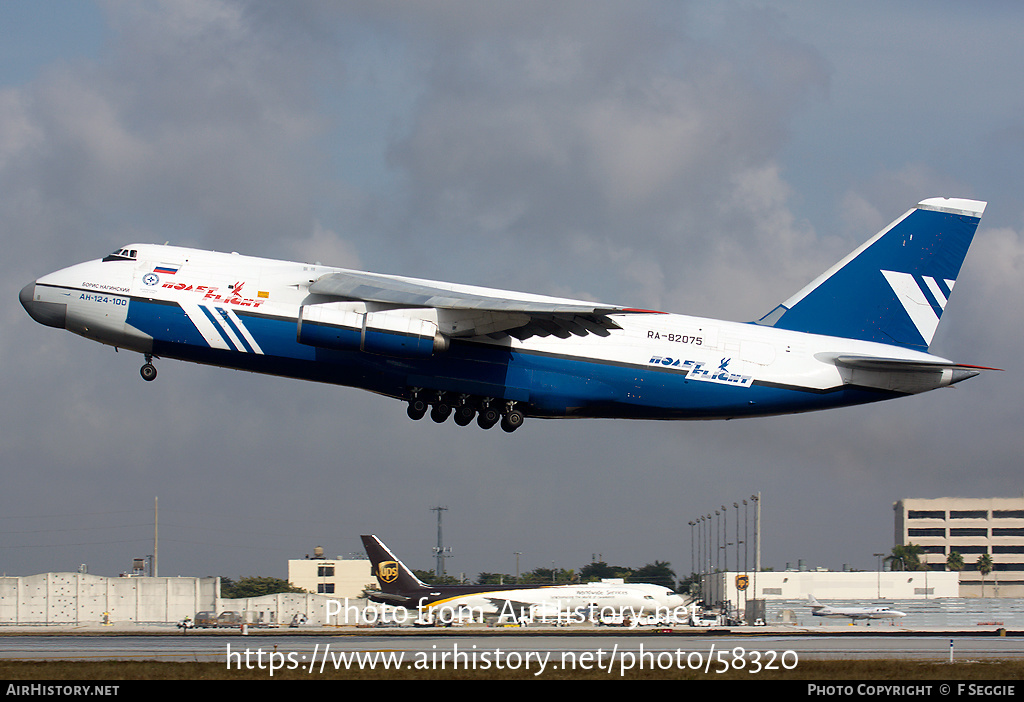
<point x="894" y="288"/>
<point x="392" y="575"/>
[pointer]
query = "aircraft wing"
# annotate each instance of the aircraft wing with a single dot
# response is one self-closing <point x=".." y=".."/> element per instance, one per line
<point x="508" y="605"/>
<point x="474" y="312"/>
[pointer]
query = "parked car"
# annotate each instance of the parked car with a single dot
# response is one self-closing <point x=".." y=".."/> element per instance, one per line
<point x="205" y="620"/>
<point x="229" y="619"/>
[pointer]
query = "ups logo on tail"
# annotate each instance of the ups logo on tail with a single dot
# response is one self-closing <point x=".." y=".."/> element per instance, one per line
<point x="387" y="571"/>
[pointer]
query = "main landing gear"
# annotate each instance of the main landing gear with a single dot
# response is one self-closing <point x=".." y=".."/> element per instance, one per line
<point x="148" y="371"/>
<point x="487" y="410"/>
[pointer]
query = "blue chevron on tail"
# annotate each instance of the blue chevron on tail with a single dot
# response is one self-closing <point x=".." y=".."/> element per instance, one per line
<point x="894" y="288"/>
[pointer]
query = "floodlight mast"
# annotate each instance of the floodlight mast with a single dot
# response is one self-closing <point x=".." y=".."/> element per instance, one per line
<point x="439" y="551"/>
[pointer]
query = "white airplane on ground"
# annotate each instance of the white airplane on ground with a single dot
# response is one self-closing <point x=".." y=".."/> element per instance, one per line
<point x="858" y="333"/>
<point x="853" y="613"/>
<point x="570" y="603"/>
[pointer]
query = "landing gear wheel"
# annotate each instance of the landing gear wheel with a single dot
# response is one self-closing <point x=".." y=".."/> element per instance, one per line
<point x="464" y="415"/>
<point x="417" y="408"/>
<point x="148" y="372"/>
<point x="440" y="412"/>
<point x="487" y="418"/>
<point x="512" y="421"/>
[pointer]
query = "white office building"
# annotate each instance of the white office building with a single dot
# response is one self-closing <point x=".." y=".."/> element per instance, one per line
<point x="972" y="527"/>
<point x="334" y="577"/>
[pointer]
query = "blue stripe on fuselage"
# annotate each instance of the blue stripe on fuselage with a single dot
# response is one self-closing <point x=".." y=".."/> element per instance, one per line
<point x="552" y="385"/>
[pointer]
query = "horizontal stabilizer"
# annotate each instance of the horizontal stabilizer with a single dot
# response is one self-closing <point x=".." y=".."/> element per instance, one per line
<point x="905" y="366"/>
<point x="389" y="598"/>
<point x="901" y="375"/>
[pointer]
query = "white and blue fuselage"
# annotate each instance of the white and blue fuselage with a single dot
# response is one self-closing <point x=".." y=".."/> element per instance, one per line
<point x="456" y="346"/>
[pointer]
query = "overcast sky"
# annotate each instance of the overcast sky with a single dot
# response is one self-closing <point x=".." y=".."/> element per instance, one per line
<point x="707" y="158"/>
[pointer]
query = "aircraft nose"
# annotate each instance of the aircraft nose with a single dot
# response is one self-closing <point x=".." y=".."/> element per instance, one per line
<point x="52" y="314"/>
<point x="675" y="601"/>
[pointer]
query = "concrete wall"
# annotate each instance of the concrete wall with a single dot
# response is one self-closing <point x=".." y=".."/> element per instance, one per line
<point x="281" y="609"/>
<point x="866" y="586"/>
<point x="78" y="598"/>
<point x="962" y="613"/>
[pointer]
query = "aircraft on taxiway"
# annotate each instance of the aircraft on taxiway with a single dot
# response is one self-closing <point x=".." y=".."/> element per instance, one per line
<point x="577" y="602"/>
<point x="858" y="333"/>
<point x="853" y="613"/>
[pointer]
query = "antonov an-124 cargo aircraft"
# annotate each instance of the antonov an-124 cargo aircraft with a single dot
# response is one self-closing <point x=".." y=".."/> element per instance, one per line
<point x="858" y="333"/>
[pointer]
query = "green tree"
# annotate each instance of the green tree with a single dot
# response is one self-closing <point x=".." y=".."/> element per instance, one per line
<point x="954" y="561"/>
<point x="657" y="573"/>
<point x="495" y="579"/>
<point x="599" y="570"/>
<point x="429" y="578"/>
<point x="984" y="564"/>
<point x="541" y="576"/>
<point x="254" y="586"/>
<point x="690" y="586"/>
<point x="905" y="557"/>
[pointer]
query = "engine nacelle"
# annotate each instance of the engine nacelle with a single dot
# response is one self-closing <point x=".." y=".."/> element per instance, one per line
<point x="388" y="333"/>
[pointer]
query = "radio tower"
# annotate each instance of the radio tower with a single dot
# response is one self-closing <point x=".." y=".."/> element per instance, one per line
<point x="439" y="551"/>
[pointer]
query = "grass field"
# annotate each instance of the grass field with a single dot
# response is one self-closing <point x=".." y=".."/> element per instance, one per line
<point x="814" y="670"/>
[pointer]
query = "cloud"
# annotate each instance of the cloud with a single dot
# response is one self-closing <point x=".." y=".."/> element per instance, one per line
<point x="698" y="159"/>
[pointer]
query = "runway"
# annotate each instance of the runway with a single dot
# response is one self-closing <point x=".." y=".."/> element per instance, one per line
<point x="315" y="652"/>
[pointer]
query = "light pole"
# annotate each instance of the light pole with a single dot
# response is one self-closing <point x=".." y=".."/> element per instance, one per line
<point x="725" y="541"/>
<point x="719" y="548"/>
<point x="700" y="555"/>
<point x="439" y="551"/>
<point x="757" y="537"/>
<point x="746" y="559"/>
<point x="707" y="551"/>
<point x="736" y="506"/>
<point x="693" y="561"/>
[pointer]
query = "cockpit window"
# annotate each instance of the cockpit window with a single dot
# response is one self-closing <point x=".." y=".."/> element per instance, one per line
<point x="122" y="255"/>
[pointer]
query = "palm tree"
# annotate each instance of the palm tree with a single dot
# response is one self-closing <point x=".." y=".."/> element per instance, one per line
<point x="954" y="561"/>
<point x="905" y="557"/>
<point x="984" y="564"/>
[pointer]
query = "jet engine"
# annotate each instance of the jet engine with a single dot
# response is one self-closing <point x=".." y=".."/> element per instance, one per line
<point x="403" y="333"/>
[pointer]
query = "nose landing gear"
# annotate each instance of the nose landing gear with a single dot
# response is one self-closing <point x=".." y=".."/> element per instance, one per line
<point x="148" y="371"/>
